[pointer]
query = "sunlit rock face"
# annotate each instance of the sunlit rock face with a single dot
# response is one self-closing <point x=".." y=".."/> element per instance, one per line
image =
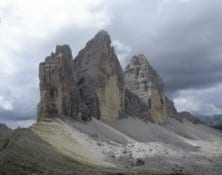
<point x="100" y="78"/>
<point x="58" y="92"/>
<point x="144" y="81"/>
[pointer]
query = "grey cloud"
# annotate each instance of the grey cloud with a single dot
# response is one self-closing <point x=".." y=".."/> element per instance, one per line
<point x="200" y="101"/>
<point x="22" y="86"/>
<point x="181" y="40"/>
<point x="15" y="116"/>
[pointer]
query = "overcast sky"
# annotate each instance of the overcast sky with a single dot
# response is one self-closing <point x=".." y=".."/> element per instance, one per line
<point x="182" y="39"/>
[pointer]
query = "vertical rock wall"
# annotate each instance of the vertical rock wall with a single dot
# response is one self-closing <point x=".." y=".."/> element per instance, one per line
<point x="100" y="78"/>
<point x="57" y="87"/>
<point x="144" y="81"/>
<point x="92" y="85"/>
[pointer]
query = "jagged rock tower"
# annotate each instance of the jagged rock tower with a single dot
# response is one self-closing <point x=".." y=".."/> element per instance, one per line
<point x="100" y="78"/>
<point x="92" y="85"/>
<point x="59" y="95"/>
<point x="143" y="80"/>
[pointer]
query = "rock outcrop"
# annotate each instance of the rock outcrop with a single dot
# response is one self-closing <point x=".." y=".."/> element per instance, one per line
<point x="58" y="92"/>
<point x="189" y="116"/>
<point x="144" y="81"/>
<point x="92" y="85"/>
<point x="100" y="78"/>
<point x="5" y="135"/>
<point x="171" y="110"/>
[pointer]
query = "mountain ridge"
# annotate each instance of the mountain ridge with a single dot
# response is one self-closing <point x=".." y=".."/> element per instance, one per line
<point x="95" y="118"/>
<point x="94" y="84"/>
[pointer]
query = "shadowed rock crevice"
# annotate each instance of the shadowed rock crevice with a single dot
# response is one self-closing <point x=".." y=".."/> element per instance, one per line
<point x="135" y="107"/>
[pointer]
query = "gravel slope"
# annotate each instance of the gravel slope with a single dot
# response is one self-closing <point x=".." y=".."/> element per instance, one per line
<point x="173" y="147"/>
<point x="127" y="146"/>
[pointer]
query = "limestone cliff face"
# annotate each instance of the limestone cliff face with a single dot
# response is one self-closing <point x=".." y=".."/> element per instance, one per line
<point x="157" y="105"/>
<point x="144" y="81"/>
<point x="92" y="85"/>
<point x="100" y="78"/>
<point x="58" y="93"/>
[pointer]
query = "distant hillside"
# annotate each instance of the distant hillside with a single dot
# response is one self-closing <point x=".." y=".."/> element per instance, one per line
<point x="214" y="121"/>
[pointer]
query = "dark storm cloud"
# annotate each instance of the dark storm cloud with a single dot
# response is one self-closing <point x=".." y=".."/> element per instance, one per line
<point x="192" y="70"/>
<point x="21" y="89"/>
<point x="14" y="115"/>
<point x="181" y="39"/>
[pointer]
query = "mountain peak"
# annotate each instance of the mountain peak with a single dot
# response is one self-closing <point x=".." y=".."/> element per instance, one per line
<point x="102" y="38"/>
<point x="139" y="60"/>
<point x="63" y="49"/>
<point x="144" y="81"/>
<point x="102" y="90"/>
<point x="142" y="68"/>
<point x="95" y="119"/>
<point x="56" y="77"/>
<point x="102" y="33"/>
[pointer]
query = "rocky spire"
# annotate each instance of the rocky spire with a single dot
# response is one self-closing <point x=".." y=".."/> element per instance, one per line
<point x="100" y="78"/>
<point x="57" y="87"/>
<point x="141" y="77"/>
<point x="92" y="85"/>
<point x="144" y="81"/>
